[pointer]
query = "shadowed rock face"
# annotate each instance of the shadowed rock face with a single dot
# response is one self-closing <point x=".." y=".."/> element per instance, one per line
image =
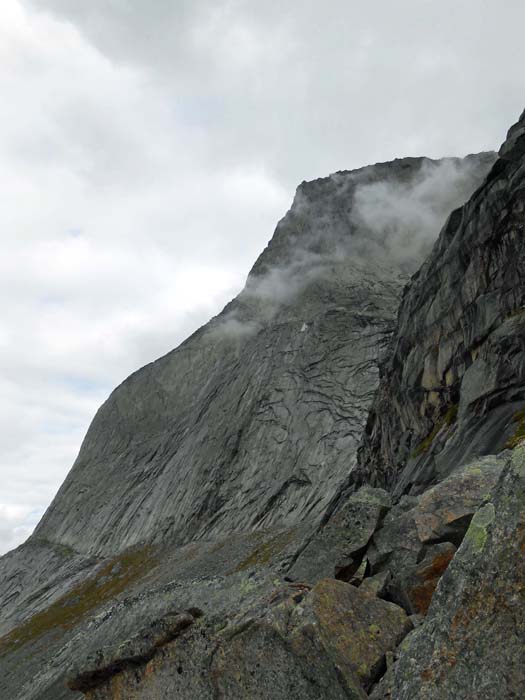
<point x="201" y="483"/>
<point x="454" y="387"/>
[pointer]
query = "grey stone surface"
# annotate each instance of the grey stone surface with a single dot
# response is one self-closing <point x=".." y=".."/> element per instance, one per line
<point x="329" y="643"/>
<point x="419" y="536"/>
<point x="472" y="643"/>
<point x="110" y="611"/>
<point x="337" y="549"/>
<point x="119" y="614"/>
<point x="35" y="575"/>
<point x="454" y="386"/>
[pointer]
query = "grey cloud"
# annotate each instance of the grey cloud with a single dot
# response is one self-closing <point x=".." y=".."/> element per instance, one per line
<point x="400" y="221"/>
<point x="309" y="88"/>
<point x="230" y="327"/>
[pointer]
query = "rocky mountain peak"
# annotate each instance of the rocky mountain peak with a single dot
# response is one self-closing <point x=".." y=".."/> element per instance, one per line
<point x="513" y="147"/>
<point x="254" y="421"/>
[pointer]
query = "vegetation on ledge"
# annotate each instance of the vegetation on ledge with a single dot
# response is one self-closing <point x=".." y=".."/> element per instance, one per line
<point x="448" y="419"/>
<point x="519" y="433"/>
<point x="111" y="579"/>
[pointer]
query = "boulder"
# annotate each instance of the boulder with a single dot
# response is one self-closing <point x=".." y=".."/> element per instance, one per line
<point x="419" y="535"/>
<point x="338" y="548"/>
<point x="355" y="629"/>
<point x="472" y="643"/>
<point x="444" y="511"/>
<point x="330" y="642"/>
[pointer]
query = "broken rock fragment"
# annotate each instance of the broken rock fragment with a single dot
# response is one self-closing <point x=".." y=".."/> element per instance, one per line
<point x="338" y="548"/>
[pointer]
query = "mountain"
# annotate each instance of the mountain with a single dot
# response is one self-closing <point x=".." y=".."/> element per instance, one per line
<point x="295" y="502"/>
<point x="255" y="420"/>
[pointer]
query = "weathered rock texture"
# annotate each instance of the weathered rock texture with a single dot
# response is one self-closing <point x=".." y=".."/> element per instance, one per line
<point x="338" y="547"/>
<point x="419" y="536"/>
<point x="257" y="635"/>
<point x="472" y="643"/>
<point x="205" y="543"/>
<point x="327" y="643"/>
<point x="454" y="386"/>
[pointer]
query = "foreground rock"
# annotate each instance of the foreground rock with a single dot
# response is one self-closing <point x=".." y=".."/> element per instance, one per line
<point x="338" y="547"/>
<point x="420" y="535"/>
<point x="409" y="544"/>
<point x="472" y="643"/>
<point x="339" y="640"/>
<point x="328" y="643"/>
<point x="125" y="602"/>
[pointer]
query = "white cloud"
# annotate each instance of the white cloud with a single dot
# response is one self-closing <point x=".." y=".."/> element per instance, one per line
<point x="148" y="149"/>
<point x="402" y="219"/>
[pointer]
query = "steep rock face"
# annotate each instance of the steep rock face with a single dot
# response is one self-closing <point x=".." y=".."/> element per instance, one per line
<point x="454" y="386"/>
<point x="255" y="419"/>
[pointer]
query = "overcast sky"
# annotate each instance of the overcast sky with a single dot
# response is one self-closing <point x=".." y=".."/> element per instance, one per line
<point x="148" y="147"/>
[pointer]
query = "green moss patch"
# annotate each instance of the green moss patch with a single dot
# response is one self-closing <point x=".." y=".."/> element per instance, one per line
<point x="448" y="419"/>
<point x="111" y="579"/>
<point x="266" y="551"/>
<point x="451" y="415"/>
<point x="519" y="433"/>
<point x="476" y="535"/>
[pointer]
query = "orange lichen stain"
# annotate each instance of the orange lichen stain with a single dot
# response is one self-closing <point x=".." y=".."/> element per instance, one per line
<point x="438" y="566"/>
<point x="422" y="595"/>
<point x="442" y="660"/>
<point x="427" y="675"/>
<point x="519" y="433"/>
<point x="149" y="669"/>
<point x="116" y="687"/>
<point x="481" y="605"/>
<point x="112" y="578"/>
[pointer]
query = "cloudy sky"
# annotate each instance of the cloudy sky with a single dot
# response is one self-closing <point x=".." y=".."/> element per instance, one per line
<point x="148" y="148"/>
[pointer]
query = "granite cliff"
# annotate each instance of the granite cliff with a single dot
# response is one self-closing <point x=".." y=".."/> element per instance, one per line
<point x="455" y="381"/>
<point x="314" y="496"/>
